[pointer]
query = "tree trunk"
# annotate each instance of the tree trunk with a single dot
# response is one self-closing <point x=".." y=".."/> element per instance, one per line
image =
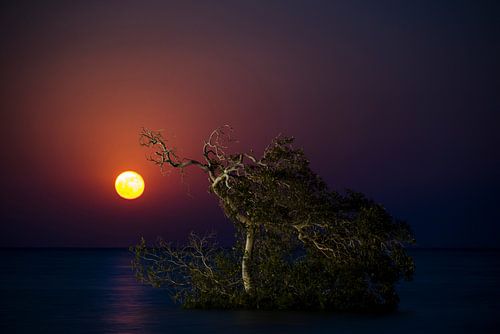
<point x="247" y="259"/>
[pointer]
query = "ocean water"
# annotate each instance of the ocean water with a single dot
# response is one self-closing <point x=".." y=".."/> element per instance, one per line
<point x="94" y="291"/>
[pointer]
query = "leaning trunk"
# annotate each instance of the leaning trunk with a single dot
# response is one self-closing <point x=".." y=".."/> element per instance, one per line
<point x="247" y="259"/>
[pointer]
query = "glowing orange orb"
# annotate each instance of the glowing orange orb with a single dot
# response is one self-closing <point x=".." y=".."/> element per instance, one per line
<point x="129" y="185"/>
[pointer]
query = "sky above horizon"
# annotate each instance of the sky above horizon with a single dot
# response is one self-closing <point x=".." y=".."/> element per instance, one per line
<point x="396" y="99"/>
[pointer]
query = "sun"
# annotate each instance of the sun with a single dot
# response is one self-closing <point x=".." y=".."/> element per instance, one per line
<point x="129" y="185"/>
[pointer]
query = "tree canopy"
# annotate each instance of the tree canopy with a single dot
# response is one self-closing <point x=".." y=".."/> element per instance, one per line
<point x="299" y="244"/>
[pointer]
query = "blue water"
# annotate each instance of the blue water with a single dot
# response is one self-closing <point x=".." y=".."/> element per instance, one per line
<point x="94" y="291"/>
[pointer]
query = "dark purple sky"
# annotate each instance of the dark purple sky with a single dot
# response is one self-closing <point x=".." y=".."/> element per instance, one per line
<point x="397" y="99"/>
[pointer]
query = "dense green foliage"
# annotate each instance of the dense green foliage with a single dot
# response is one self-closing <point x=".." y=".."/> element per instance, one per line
<point x="313" y="248"/>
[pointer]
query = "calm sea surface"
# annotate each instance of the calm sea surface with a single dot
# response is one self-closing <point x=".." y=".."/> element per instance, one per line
<point x="94" y="291"/>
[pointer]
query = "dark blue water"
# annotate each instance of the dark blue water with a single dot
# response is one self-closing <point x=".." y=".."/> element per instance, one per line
<point x="94" y="291"/>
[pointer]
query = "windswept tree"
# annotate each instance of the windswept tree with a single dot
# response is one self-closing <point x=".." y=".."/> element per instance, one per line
<point x="299" y="244"/>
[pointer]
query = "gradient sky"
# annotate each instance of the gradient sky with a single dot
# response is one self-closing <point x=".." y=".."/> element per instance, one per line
<point x="397" y="99"/>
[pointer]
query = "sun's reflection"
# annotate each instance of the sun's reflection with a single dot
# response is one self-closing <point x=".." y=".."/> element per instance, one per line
<point x="125" y="309"/>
